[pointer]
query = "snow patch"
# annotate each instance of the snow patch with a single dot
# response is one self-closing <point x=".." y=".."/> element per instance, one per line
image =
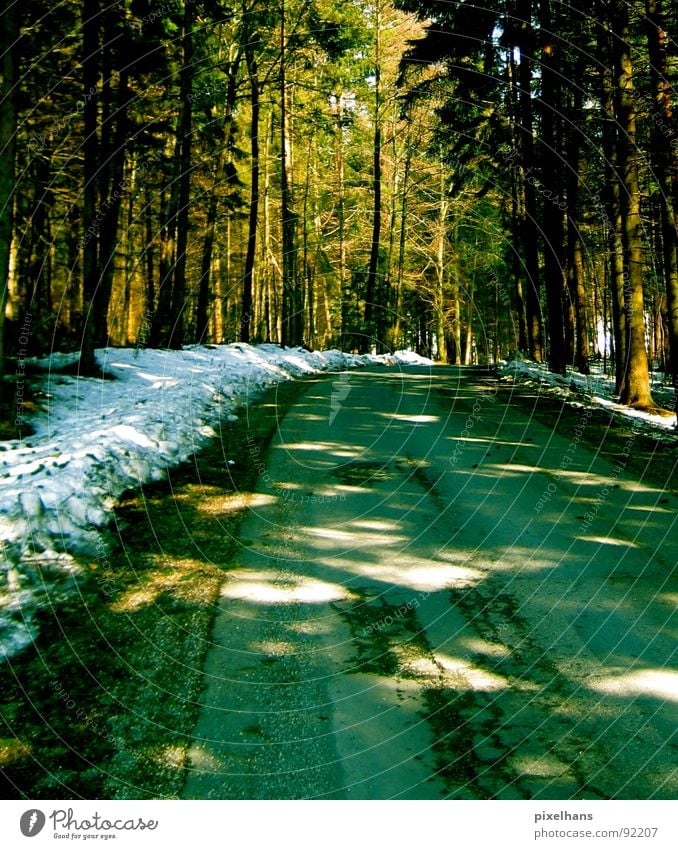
<point x="98" y="438"/>
<point x="409" y="358"/>
<point x="596" y="388"/>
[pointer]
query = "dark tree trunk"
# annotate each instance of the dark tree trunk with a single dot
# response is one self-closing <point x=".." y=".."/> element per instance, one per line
<point x="167" y="236"/>
<point x="109" y="228"/>
<point x="90" y="238"/>
<point x="612" y="205"/>
<point x="575" y="265"/>
<point x="529" y="229"/>
<point x="9" y="35"/>
<point x="373" y="268"/>
<point x="248" y="276"/>
<point x="552" y="166"/>
<point x="635" y="390"/>
<point x="227" y="143"/>
<point x="665" y="167"/>
<point x="149" y="256"/>
<point x="292" y="317"/>
<point x="516" y="219"/>
<point x="177" y="321"/>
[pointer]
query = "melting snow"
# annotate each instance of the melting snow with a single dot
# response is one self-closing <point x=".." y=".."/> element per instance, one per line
<point x="98" y="438"/>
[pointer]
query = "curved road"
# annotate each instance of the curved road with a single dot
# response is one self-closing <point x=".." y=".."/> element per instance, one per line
<point x="435" y="596"/>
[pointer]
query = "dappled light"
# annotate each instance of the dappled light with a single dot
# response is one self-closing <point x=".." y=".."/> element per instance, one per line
<point x="328" y="537"/>
<point x="609" y="541"/>
<point x="654" y="683"/>
<point x="465" y="676"/>
<point x="414" y="419"/>
<point x="181" y="578"/>
<point x="259" y="587"/>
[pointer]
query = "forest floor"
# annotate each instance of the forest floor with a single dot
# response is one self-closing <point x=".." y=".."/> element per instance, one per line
<point x="427" y="586"/>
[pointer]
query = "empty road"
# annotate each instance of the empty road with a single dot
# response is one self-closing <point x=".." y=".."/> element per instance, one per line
<point x="435" y="596"/>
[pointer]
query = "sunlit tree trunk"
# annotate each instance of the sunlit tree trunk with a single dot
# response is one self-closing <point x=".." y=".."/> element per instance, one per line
<point x="635" y="390"/>
<point x="665" y="167"/>
<point x="248" y="275"/>
<point x="440" y="271"/>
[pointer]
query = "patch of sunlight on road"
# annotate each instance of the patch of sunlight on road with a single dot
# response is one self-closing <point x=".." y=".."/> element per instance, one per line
<point x="202" y="760"/>
<point x="330" y="536"/>
<point x="668" y="598"/>
<point x="658" y="683"/>
<point x="516" y="557"/>
<point x="330" y="447"/>
<point x="258" y="587"/>
<point x="221" y="504"/>
<point x="377" y="526"/>
<point x="420" y="575"/>
<point x="491" y="441"/>
<point x="476" y="644"/>
<point x="482" y="440"/>
<point x="438" y="576"/>
<point x="470" y="677"/>
<point x="516" y="469"/>
<point x="622" y="543"/>
<point x="274" y="648"/>
<point x="314" y="627"/>
<point x="546" y="766"/>
<point x="648" y="508"/>
<point x="416" y="419"/>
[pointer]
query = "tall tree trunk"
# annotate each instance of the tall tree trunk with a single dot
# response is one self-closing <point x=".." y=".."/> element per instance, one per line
<point x="635" y="389"/>
<point x="149" y="257"/>
<point x="9" y="35"/>
<point x="552" y="166"/>
<point x="248" y="276"/>
<point x="38" y="296"/>
<point x="612" y="204"/>
<point x="167" y="236"/>
<point x="575" y="264"/>
<point x="344" y="290"/>
<point x="516" y="216"/>
<point x="440" y="271"/>
<point x="292" y="318"/>
<point x="90" y="239"/>
<point x="665" y="167"/>
<point x="110" y="210"/>
<point x="177" y="332"/>
<point x="307" y="272"/>
<point x="225" y="150"/>
<point x="373" y="268"/>
<point x="402" y="244"/>
<point x="530" y="230"/>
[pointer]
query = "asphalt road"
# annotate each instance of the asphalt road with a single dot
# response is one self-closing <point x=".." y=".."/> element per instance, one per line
<point x="435" y="596"/>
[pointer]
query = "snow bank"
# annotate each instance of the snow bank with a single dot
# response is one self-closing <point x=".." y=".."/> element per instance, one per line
<point x="98" y="438"/>
<point x="409" y="358"/>
<point x="596" y="388"/>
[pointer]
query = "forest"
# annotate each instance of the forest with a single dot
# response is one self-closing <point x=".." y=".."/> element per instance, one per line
<point x="472" y="182"/>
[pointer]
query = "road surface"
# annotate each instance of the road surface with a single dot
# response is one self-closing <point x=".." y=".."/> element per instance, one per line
<point x="435" y="596"/>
